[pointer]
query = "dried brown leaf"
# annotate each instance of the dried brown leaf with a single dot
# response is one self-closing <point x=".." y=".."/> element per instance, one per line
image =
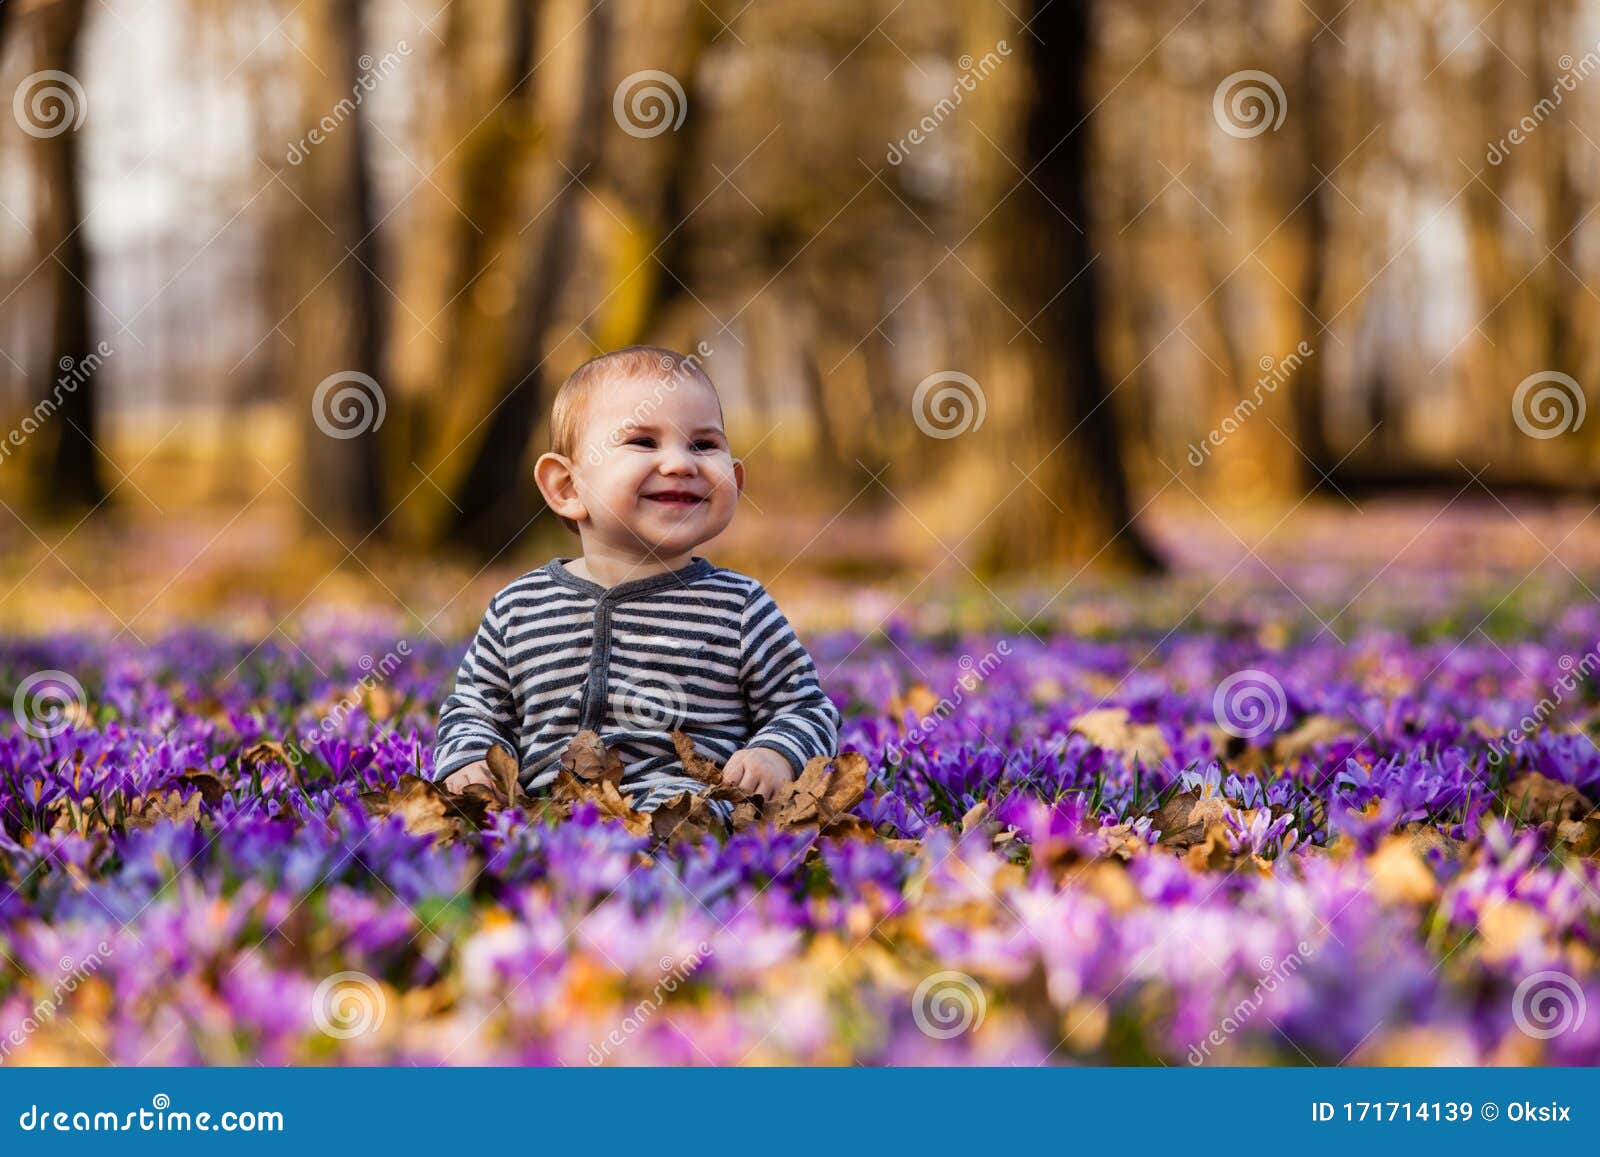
<point x="259" y="758"/>
<point x="917" y="699"/>
<point x="586" y="757"/>
<point x="210" y="785"/>
<point x="695" y="765"/>
<point x="613" y="806"/>
<point x="848" y="783"/>
<point x="823" y="794"/>
<point x="591" y="774"/>
<point x="1582" y="836"/>
<point x="1210" y="852"/>
<point x="1112" y="729"/>
<point x="1425" y="837"/>
<point x="1172" y="817"/>
<point x="507" y="775"/>
<point x="168" y="805"/>
<point x="474" y="802"/>
<point x="1533" y="798"/>
<point x="1399" y="873"/>
<point x="1122" y="842"/>
<point x="1309" y="733"/>
<point x="686" y="816"/>
<point x="422" y="806"/>
<point x="568" y="788"/>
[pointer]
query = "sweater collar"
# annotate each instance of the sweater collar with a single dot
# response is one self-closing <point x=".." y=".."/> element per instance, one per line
<point x="698" y="568"/>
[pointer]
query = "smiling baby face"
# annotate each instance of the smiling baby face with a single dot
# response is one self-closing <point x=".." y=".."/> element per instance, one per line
<point x="641" y="462"/>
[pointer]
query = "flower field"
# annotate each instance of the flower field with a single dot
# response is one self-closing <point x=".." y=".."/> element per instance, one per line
<point x="1227" y="843"/>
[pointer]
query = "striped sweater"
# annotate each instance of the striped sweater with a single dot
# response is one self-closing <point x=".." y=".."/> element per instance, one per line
<point x="701" y="650"/>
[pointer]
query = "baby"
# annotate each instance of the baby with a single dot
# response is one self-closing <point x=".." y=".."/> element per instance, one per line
<point x="637" y="638"/>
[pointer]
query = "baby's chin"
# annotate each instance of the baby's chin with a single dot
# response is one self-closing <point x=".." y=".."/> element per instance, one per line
<point x="682" y="538"/>
<point x="683" y="543"/>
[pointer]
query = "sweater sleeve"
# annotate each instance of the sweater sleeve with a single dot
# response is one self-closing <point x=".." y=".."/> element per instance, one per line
<point x="480" y="712"/>
<point x="791" y="713"/>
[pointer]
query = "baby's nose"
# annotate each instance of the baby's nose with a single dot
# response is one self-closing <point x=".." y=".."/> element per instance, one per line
<point x="677" y="462"/>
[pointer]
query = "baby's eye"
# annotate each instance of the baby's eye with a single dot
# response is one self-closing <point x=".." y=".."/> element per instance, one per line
<point x="642" y="441"/>
<point x="707" y="445"/>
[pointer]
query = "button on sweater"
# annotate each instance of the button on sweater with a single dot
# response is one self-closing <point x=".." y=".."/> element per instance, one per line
<point x="703" y="650"/>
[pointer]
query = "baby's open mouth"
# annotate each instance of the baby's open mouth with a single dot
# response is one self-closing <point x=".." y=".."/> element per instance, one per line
<point x="675" y="498"/>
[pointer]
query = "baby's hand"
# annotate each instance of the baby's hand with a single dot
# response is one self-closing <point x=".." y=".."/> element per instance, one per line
<point x="459" y="781"/>
<point x="757" y="770"/>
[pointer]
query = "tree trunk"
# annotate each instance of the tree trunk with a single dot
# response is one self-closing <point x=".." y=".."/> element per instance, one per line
<point x="496" y="497"/>
<point x="1560" y="289"/>
<point x="1309" y="391"/>
<point x="483" y="231"/>
<point x="668" y="272"/>
<point x="344" y="473"/>
<point x="1084" y="472"/>
<point x="72" y="478"/>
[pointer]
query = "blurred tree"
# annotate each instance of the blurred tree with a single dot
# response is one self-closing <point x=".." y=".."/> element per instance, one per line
<point x="344" y="474"/>
<point x="1553" y="29"/>
<point x="658" y="198"/>
<point x="1078" y="506"/>
<point x="484" y="248"/>
<point x="71" y="478"/>
<point x="494" y="500"/>
<point x="1318" y="62"/>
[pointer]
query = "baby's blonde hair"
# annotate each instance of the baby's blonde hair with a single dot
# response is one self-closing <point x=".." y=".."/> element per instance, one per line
<point x="635" y="361"/>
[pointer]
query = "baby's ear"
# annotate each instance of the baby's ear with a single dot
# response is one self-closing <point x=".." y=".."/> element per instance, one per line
<point x="738" y="474"/>
<point x="553" y="474"/>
